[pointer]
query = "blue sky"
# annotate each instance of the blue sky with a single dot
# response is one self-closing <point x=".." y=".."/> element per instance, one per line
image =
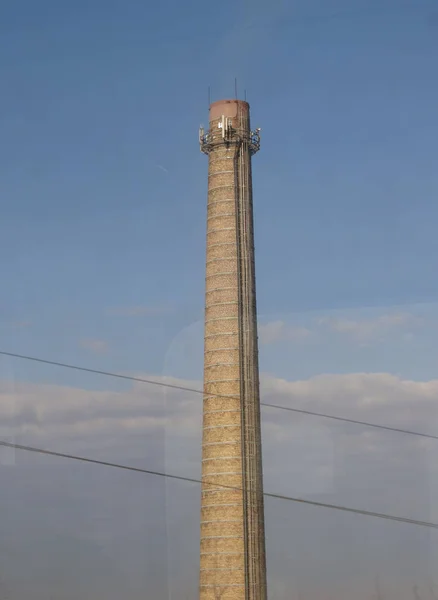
<point x="98" y="99"/>
<point x="102" y="239"/>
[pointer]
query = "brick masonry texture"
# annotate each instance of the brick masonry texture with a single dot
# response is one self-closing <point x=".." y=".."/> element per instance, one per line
<point x="225" y="546"/>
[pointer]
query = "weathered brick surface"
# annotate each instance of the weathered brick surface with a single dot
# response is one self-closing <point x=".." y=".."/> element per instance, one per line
<point x="222" y="565"/>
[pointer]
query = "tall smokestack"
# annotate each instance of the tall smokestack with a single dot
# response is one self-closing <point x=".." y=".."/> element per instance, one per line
<point x="233" y="564"/>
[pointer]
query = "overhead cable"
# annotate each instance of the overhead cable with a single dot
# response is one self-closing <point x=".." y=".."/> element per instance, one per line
<point x="196" y="391"/>
<point x="314" y="503"/>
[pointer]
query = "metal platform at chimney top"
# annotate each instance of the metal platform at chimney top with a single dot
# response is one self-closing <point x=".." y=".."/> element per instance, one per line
<point x="208" y="140"/>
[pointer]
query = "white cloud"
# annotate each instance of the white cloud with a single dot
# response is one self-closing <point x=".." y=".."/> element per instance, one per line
<point x="301" y="452"/>
<point x="279" y="331"/>
<point x="55" y="411"/>
<point x="160" y="428"/>
<point x="96" y="346"/>
<point x="378" y="397"/>
<point x="364" y="330"/>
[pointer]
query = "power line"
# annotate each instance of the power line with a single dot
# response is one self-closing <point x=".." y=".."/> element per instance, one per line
<point x="195" y="391"/>
<point x="354" y="421"/>
<point x="95" y="461"/>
